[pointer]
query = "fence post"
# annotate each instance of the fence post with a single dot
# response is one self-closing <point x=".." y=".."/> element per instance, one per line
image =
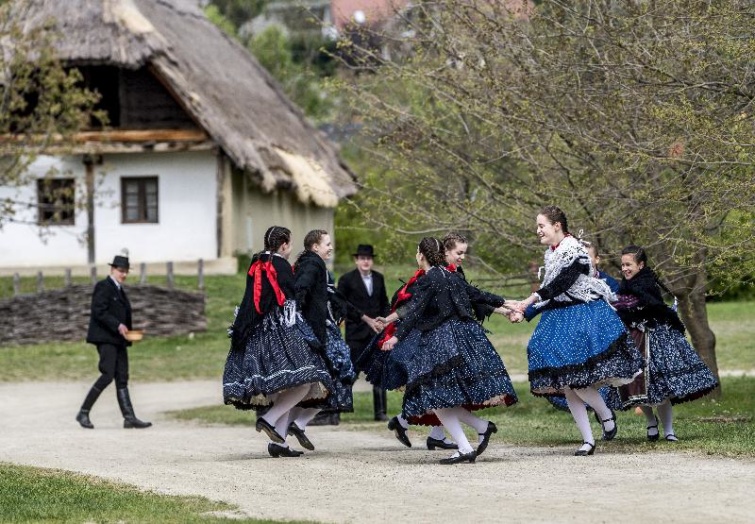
<point x="68" y="281"/>
<point x="143" y="273"/>
<point x="16" y="284"/>
<point x="169" y="275"/>
<point x="40" y="282"/>
<point x="93" y="274"/>
<point x="201" y="273"/>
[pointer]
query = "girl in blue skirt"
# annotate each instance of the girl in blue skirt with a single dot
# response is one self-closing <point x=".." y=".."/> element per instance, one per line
<point x="580" y="343"/>
<point x="271" y="365"/>
<point x="674" y="372"/>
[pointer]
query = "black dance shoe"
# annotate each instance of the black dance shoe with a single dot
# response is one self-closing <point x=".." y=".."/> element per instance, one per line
<point x="297" y="432"/>
<point x="609" y="435"/>
<point x="398" y="430"/>
<point x="458" y="457"/>
<point x="276" y="451"/>
<point x="653" y="438"/>
<point x="264" y="425"/>
<point x="486" y="438"/>
<point x="584" y="452"/>
<point x="433" y="443"/>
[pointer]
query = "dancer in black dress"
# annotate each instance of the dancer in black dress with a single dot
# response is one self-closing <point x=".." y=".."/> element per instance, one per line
<point x="272" y="365"/>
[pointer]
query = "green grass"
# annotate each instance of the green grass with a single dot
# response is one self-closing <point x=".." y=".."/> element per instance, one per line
<point x="202" y="355"/>
<point x="723" y="427"/>
<point x="42" y="495"/>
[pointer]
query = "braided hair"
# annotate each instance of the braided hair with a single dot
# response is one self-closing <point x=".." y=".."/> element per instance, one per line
<point x="554" y="214"/>
<point x="450" y="240"/>
<point x="433" y="251"/>
<point x="275" y="237"/>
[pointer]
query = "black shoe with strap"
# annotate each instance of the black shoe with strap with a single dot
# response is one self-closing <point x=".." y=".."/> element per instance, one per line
<point x="459" y="457"/>
<point x="264" y="425"/>
<point x="653" y="438"/>
<point x="297" y="432"/>
<point x="400" y="432"/>
<point x="584" y="452"/>
<point x="609" y="435"/>
<point x="276" y="450"/>
<point x="492" y="428"/>
<point x="433" y="443"/>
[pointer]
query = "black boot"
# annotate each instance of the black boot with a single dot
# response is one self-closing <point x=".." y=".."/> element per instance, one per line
<point x="129" y="419"/>
<point x="83" y="416"/>
<point x="380" y="403"/>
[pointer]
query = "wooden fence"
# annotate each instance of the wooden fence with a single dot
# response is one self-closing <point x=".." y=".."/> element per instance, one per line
<point x="63" y="314"/>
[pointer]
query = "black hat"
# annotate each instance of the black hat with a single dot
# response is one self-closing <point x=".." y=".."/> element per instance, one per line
<point x="121" y="262"/>
<point x="364" y="250"/>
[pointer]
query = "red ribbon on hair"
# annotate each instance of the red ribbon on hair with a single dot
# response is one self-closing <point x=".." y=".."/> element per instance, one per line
<point x="401" y="297"/>
<point x="255" y="271"/>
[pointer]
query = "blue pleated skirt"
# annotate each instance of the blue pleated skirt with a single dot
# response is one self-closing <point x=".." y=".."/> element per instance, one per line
<point x="277" y="356"/>
<point x="579" y="346"/>
<point x="338" y="358"/>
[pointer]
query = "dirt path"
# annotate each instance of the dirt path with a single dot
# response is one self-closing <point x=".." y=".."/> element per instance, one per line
<point x="358" y="476"/>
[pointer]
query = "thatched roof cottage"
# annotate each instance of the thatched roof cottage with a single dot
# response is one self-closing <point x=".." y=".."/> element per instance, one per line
<point x="202" y="153"/>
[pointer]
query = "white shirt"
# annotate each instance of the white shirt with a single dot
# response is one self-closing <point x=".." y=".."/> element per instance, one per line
<point x="367" y="279"/>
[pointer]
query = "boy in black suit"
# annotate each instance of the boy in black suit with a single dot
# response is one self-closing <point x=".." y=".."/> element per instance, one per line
<point x="109" y="322"/>
<point x="365" y="291"/>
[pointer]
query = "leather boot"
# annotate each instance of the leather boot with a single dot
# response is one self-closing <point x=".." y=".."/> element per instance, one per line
<point x="129" y="419"/>
<point x="83" y="416"/>
<point x="380" y="403"/>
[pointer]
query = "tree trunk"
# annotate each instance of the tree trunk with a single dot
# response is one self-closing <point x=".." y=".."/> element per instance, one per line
<point x="693" y="311"/>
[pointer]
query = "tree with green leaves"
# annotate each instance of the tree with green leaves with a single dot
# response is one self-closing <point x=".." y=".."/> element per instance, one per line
<point x="636" y="118"/>
<point x="42" y="102"/>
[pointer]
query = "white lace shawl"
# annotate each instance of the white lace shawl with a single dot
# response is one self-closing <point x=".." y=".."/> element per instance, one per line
<point x="586" y="288"/>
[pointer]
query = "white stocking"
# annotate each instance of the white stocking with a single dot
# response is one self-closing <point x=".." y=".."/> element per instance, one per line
<point x="304" y="416"/>
<point x="283" y="404"/>
<point x="479" y="425"/>
<point x="667" y="417"/>
<point x="451" y="422"/>
<point x="596" y="402"/>
<point x="401" y="420"/>
<point x="437" y="433"/>
<point x="579" y="412"/>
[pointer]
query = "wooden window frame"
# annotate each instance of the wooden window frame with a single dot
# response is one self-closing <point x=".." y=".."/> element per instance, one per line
<point x="47" y="210"/>
<point x="141" y="182"/>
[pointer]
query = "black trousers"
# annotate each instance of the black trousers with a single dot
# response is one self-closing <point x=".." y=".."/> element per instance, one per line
<point x="113" y="366"/>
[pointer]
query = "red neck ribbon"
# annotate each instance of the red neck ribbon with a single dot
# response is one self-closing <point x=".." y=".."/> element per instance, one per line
<point x="401" y="297"/>
<point x="255" y="271"/>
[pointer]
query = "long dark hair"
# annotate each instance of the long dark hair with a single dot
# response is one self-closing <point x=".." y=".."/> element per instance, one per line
<point x="450" y="240"/>
<point x="313" y="237"/>
<point x="433" y="250"/>
<point x="639" y="255"/>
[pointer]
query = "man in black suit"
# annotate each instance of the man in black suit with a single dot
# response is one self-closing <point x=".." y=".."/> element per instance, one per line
<point x="109" y="322"/>
<point x="365" y="291"/>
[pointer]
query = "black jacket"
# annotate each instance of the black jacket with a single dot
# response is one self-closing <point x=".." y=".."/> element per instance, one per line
<point x="247" y="317"/>
<point x="311" y="292"/>
<point x="110" y="308"/>
<point x="351" y="287"/>
<point x="440" y="296"/>
<point x="650" y="308"/>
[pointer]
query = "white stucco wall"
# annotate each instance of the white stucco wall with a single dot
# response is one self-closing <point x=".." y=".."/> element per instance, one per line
<point x="187" y="204"/>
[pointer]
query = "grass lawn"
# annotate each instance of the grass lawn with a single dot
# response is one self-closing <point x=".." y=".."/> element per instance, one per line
<point x="42" y="495"/>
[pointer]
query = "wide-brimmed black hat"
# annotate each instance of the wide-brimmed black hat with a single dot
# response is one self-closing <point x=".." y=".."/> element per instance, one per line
<point x="364" y="250"/>
<point x="120" y="262"/>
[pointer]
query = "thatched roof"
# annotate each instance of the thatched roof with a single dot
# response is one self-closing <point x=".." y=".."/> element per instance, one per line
<point x="217" y="81"/>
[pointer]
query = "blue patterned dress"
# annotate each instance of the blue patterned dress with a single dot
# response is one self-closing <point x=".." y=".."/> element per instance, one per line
<point x="447" y="359"/>
<point x="272" y="347"/>
<point x="674" y="371"/>
<point x="579" y="341"/>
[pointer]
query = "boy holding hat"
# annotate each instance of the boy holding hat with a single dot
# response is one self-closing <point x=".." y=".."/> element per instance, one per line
<point x="109" y="322"/>
<point x="364" y="288"/>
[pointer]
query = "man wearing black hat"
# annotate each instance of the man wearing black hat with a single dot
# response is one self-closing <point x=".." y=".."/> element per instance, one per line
<point x="365" y="291"/>
<point x="109" y="322"/>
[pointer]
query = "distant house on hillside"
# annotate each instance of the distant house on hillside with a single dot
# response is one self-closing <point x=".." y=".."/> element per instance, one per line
<point x="202" y="153"/>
